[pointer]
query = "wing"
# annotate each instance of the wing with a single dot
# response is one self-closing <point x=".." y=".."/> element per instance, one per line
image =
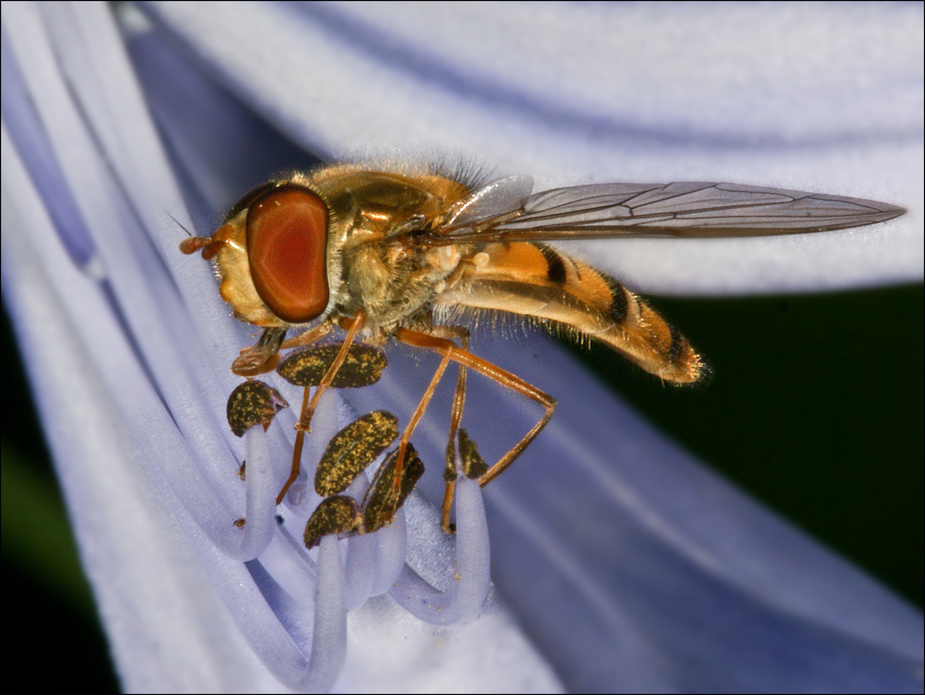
<point x="674" y="209"/>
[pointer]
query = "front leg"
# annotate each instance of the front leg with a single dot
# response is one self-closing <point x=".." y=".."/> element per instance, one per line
<point x="262" y="357"/>
<point x="352" y="326"/>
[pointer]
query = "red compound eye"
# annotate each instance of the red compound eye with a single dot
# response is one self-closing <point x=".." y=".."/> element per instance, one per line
<point x="287" y="234"/>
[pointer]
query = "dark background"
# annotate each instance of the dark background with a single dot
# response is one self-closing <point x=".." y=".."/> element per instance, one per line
<point x="815" y="407"/>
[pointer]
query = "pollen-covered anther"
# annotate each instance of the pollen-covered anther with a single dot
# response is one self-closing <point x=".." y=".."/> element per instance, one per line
<point x="253" y="403"/>
<point x="335" y="515"/>
<point x="472" y="464"/>
<point x="306" y="367"/>
<point x="380" y="504"/>
<point x="353" y="449"/>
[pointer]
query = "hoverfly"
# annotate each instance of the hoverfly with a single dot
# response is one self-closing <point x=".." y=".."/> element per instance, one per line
<point x="402" y="254"/>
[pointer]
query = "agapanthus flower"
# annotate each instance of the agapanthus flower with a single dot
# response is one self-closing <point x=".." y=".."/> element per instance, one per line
<point x="619" y="563"/>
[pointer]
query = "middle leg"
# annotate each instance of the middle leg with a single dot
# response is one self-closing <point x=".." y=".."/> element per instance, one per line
<point x="466" y="359"/>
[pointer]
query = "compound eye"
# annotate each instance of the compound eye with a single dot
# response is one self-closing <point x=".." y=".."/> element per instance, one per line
<point x="287" y="234"/>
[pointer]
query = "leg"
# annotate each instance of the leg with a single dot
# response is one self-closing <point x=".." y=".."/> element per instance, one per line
<point x="264" y="356"/>
<point x="308" y="407"/>
<point x="422" y="407"/>
<point x="467" y="359"/>
<point x="352" y="326"/>
<point x="459" y="400"/>
<point x="459" y="396"/>
<point x="412" y="425"/>
<point x="308" y="337"/>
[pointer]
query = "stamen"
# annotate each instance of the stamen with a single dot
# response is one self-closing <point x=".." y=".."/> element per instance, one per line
<point x="325" y="625"/>
<point x="329" y="637"/>
<point x="464" y="601"/>
<point x="362" y="555"/>
<point x="362" y="558"/>
<point x="473" y="551"/>
<point x="392" y="542"/>
<point x="374" y="561"/>
<point x="313" y="600"/>
<point x="260" y="514"/>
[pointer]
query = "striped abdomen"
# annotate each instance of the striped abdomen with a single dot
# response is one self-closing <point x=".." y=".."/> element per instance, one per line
<point x="540" y="282"/>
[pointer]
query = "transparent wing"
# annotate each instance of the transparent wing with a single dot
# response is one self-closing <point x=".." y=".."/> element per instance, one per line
<point x="674" y="209"/>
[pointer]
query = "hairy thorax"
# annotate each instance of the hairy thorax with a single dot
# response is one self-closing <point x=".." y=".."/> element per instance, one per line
<point x="395" y="285"/>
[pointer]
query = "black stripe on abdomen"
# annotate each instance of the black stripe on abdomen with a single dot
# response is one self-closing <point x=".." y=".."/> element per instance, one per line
<point x="555" y="266"/>
<point x="619" y="304"/>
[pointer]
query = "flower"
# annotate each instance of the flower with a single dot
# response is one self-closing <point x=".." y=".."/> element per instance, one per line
<point x="667" y="578"/>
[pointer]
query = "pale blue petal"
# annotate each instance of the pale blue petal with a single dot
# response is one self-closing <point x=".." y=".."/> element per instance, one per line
<point x="628" y="565"/>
